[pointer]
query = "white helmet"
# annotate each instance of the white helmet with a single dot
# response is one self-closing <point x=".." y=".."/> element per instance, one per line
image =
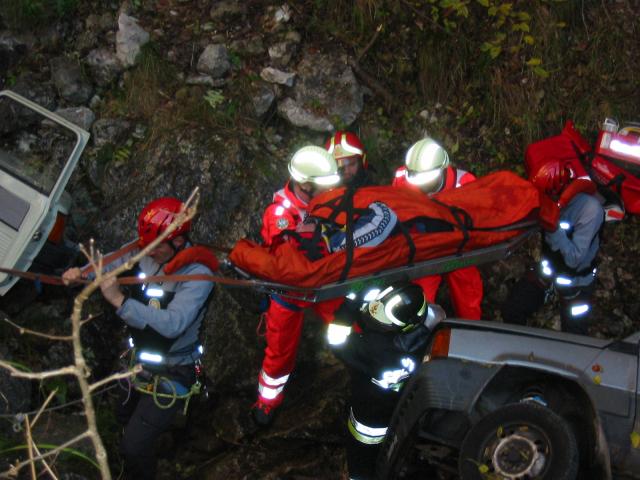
<point x="314" y="164"/>
<point x="425" y="162"/>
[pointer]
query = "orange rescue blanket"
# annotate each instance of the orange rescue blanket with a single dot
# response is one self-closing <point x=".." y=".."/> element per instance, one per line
<point x="475" y="211"/>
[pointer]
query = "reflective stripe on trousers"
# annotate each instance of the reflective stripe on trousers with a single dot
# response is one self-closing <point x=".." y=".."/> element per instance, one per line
<point x="365" y="434"/>
<point x="269" y="388"/>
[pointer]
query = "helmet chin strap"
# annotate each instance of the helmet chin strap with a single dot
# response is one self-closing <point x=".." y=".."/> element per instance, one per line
<point x="175" y="248"/>
<point x="309" y="191"/>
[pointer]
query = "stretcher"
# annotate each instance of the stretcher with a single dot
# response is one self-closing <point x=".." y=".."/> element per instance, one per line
<point x="433" y="266"/>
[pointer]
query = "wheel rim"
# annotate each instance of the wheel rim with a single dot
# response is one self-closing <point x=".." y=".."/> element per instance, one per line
<point x="517" y="452"/>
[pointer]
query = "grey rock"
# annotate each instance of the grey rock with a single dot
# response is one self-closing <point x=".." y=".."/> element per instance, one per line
<point x="281" y="52"/>
<point x="299" y="116"/>
<point x="67" y="77"/>
<point x="81" y="116"/>
<point x="326" y="90"/>
<point x="263" y="99"/>
<point x="129" y="39"/>
<point x="214" y="61"/>
<point x="282" y="14"/>
<point x="109" y="130"/>
<point x="104" y="66"/>
<point x="273" y="75"/>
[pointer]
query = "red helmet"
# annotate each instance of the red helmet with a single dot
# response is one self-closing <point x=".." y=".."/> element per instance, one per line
<point x="156" y="217"/>
<point x="346" y="144"/>
<point x="552" y="176"/>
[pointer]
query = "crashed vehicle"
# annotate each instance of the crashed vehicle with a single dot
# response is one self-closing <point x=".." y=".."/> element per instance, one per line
<point x="38" y="152"/>
<point x="497" y="401"/>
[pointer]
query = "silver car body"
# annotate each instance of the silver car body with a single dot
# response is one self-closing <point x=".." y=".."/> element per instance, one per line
<point x="483" y="356"/>
<point x="31" y="195"/>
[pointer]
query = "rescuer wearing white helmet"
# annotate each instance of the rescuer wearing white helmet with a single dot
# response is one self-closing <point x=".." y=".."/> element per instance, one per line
<point x="313" y="170"/>
<point x="428" y="169"/>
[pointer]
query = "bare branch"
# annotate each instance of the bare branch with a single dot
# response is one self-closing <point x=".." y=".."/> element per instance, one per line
<point x="90" y="318"/>
<point x="116" y="376"/>
<point x="43" y="406"/>
<point x="27" y="432"/>
<point x="37" y="375"/>
<point x="44" y="462"/>
<point x="24" y="330"/>
<point x="13" y="471"/>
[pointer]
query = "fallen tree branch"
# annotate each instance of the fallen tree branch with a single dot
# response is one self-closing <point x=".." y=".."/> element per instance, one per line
<point x="24" y="330"/>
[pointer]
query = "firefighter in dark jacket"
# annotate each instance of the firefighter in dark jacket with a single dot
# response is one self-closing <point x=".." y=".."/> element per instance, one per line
<point x="381" y="337"/>
<point x="570" y="245"/>
<point x="164" y="321"/>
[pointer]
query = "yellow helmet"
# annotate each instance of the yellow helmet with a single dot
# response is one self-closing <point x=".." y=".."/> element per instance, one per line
<point x="425" y="162"/>
<point x="314" y="164"/>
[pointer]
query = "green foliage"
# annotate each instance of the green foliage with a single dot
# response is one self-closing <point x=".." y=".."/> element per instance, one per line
<point x="214" y="98"/>
<point x="123" y="153"/>
<point x="30" y="14"/>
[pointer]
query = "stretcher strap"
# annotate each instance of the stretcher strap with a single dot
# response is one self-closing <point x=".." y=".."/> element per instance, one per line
<point x="348" y="200"/>
<point x="463" y="221"/>
<point x="412" y="246"/>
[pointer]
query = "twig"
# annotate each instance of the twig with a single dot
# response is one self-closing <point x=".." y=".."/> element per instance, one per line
<point x="44" y="462"/>
<point x="37" y="375"/>
<point x="373" y="84"/>
<point x="43" y="407"/>
<point x="370" y="44"/>
<point x="13" y="471"/>
<point x="90" y="318"/>
<point x="116" y="376"/>
<point x="24" y="330"/>
<point x="27" y="432"/>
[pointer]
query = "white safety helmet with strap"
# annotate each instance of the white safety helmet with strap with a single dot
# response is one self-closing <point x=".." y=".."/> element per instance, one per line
<point x="313" y="164"/>
<point x="426" y="161"/>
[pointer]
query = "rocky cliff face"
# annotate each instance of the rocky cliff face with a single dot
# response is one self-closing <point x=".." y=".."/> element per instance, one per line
<point x="218" y="94"/>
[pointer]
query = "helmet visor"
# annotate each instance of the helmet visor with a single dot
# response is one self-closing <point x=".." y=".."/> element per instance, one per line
<point x="326" y="181"/>
<point x="424" y="178"/>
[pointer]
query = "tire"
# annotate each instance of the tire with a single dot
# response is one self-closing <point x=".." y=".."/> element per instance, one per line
<point x="520" y="441"/>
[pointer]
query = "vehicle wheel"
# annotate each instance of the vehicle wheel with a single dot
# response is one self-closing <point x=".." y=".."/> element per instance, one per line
<point x="520" y="441"/>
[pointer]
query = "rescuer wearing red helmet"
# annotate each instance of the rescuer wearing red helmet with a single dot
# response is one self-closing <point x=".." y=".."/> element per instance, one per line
<point x="351" y="158"/>
<point x="312" y="171"/>
<point x="427" y="169"/>
<point x="164" y="321"/>
<point x="570" y="246"/>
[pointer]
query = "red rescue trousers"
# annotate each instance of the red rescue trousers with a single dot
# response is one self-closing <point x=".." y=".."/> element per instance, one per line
<point x="465" y="286"/>
<point x="284" y="320"/>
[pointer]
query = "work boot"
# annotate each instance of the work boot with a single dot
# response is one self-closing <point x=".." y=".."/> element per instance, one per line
<point x="263" y="413"/>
